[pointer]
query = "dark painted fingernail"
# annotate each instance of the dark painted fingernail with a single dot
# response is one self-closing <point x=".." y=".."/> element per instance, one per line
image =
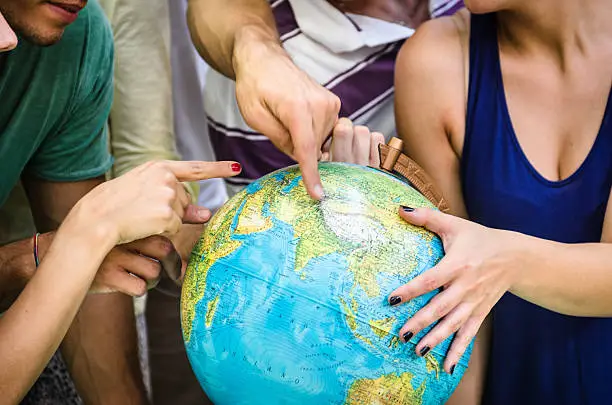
<point x="407" y="336"/>
<point x="236" y="167"/>
<point x="407" y="209"/>
<point x="395" y="300"/>
<point x="424" y="351"/>
<point x="452" y="370"/>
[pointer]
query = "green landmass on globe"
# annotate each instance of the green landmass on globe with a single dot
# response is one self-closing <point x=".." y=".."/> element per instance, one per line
<point x="284" y="299"/>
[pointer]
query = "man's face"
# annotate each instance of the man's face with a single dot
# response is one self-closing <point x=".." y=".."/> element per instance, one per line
<point x="39" y="21"/>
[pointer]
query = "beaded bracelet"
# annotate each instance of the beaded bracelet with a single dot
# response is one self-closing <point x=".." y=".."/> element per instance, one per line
<point x="35" y="239"/>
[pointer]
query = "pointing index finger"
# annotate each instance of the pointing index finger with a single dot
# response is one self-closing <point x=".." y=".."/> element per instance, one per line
<point x="306" y="151"/>
<point x="198" y="170"/>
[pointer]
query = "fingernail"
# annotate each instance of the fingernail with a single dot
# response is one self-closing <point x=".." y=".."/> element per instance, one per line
<point x="395" y="300"/>
<point x="236" y="167"/>
<point x="452" y="370"/>
<point x="424" y="351"/>
<point x="318" y="190"/>
<point x="407" y="336"/>
<point x="406" y="208"/>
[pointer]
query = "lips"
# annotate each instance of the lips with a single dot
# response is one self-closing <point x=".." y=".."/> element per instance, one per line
<point x="73" y="8"/>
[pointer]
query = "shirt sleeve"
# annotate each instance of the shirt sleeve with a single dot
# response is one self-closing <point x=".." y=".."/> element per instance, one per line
<point x="78" y="149"/>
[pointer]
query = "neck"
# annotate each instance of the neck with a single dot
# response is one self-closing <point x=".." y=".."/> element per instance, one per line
<point x="410" y="13"/>
<point x="557" y="27"/>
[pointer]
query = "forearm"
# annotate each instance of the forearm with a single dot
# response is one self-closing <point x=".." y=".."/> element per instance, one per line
<point x="222" y="30"/>
<point x="572" y="279"/>
<point x="100" y="351"/>
<point x="17" y="267"/>
<point x="32" y="329"/>
<point x="102" y="323"/>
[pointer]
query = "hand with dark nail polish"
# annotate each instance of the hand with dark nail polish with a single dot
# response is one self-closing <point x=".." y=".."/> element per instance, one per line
<point x="424" y="351"/>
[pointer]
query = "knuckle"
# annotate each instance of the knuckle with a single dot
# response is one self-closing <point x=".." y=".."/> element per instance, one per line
<point x="156" y="164"/>
<point x="169" y="178"/>
<point x="166" y="213"/>
<point x="454" y="325"/>
<point x="140" y="288"/>
<point x="362" y="131"/>
<point x="420" y="324"/>
<point x="429" y="282"/>
<point x="441" y="309"/>
<point x="169" y="193"/>
<point x="343" y="131"/>
<point x="333" y="103"/>
<point x="197" y="167"/>
<point x="152" y="271"/>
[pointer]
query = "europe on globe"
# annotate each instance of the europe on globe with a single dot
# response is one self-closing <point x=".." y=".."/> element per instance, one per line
<point x="285" y="298"/>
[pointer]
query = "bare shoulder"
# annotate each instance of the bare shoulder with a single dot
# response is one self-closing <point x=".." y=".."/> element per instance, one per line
<point x="430" y="101"/>
<point x="432" y="67"/>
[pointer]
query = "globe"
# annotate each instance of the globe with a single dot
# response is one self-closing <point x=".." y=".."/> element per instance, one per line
<point x="285" y="298"/>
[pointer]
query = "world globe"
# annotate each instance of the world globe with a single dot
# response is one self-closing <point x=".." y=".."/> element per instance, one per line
<point x="285" y="298"/>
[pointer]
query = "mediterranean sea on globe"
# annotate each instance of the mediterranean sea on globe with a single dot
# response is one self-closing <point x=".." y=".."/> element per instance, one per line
<point x="285" y="298"/>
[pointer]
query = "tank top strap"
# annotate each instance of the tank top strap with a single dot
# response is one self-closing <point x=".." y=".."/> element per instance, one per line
<point x="483" y="80"/>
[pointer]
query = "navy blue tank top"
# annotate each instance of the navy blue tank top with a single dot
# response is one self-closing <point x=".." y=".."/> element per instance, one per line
<point x="537" y="356"/>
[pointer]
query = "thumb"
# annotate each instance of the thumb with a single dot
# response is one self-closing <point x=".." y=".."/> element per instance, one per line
<point x="196" y="215"/>
<point x="433" y="220"/>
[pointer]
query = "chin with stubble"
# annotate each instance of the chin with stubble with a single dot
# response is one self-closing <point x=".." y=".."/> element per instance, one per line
<point x="41" y="22"/>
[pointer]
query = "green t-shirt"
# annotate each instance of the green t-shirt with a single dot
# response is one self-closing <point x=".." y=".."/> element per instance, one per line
<point x="54" y="105"/>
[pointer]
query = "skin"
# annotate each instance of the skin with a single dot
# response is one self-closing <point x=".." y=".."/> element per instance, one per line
<point x="353" y="144"/>
<point x="239" y="39"/>
<point x="557" y="77"/>
<point x="100" y="346"/>
<point x="36" y="20"/>
<point x="147" y="201"/>
<point x="8" y="39"/>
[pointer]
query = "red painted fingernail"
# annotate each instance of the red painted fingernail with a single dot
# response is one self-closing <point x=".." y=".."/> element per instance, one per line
<point x="236" y="167"/>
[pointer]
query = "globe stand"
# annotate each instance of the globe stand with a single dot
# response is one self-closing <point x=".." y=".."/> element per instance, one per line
<point x="395" y="162"/>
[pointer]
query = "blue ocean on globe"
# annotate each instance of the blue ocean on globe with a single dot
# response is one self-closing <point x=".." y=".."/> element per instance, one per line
<point x="285" y="298"/>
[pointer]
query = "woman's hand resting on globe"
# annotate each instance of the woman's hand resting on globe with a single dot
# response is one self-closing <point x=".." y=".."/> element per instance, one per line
<point x="149" y="200"/>
<point x="480" y="265"/>
<point x="353" y="144"/>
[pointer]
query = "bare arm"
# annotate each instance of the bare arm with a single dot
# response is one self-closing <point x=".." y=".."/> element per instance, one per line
<point x="481" y="264"/>
<point x="24" y="355"/>
<point x="219" y="28"/>
<point x="147" y="201"/>
<point x="239" y="38"/>
<point x="430" y="112"/>
<point x="100" y="347"/>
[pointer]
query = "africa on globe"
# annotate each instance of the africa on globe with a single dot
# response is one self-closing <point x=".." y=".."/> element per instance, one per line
<point x="285" y="298"/>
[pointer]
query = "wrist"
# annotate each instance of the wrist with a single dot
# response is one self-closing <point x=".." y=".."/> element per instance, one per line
<point x="525" y="253"/>
<point x="253" y="43"/>
<point x="86" y="229"/>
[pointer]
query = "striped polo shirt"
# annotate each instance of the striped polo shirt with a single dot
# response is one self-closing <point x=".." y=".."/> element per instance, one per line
<point x="352" y="55"/>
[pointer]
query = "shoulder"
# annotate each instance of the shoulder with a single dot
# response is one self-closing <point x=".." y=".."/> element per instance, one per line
<point x="431" y="71"/>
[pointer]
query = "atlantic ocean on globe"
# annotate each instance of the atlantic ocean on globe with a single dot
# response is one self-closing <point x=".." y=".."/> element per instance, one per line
<point x="285" y="298"/>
